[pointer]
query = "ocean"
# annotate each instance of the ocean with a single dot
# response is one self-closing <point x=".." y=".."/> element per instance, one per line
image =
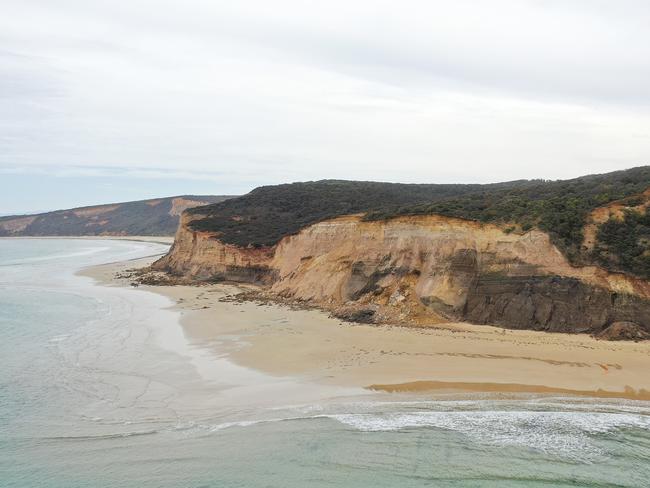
<point x="100" y="387"/>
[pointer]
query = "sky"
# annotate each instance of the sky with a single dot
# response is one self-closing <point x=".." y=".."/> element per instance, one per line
<point x="109" y="101"/>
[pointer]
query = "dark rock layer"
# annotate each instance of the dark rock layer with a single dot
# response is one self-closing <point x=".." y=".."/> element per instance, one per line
<point x="551" y="303"/>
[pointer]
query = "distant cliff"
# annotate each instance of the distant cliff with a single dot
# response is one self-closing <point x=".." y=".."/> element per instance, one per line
<point x="145" y="217"/>
<point x="408" y="264"/>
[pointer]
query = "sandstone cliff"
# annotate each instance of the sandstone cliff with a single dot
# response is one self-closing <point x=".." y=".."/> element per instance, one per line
<point x="422" y="270"/>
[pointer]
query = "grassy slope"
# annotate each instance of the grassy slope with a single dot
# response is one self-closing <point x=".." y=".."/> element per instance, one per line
<point x="128" y="218"/>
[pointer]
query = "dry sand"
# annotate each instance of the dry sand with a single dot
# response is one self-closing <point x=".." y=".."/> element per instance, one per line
<point x="443" y="358"/>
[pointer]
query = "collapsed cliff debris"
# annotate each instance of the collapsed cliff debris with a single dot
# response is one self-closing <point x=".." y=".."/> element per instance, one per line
<point x="360" y="315"/>
<point x="149" y="276"/>
<point x="624" y="331"/>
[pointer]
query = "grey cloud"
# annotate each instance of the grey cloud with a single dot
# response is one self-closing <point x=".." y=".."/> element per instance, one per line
<point x="410" y="90"/>
<point x="605" y="61"/>
<point x="23" y="76"/>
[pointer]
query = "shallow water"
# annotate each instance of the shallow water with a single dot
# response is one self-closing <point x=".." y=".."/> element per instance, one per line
<point x="99" y="387"/>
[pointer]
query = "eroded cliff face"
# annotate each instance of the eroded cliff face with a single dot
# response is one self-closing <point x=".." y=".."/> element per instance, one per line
<point x="423" y="270"/>
<point x="200" y="255"/>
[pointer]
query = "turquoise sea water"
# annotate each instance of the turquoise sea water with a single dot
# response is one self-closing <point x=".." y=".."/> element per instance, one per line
<point x="92" y="394"/>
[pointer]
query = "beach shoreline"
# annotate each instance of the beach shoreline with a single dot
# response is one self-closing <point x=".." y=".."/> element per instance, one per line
<point x="313" y="347"/>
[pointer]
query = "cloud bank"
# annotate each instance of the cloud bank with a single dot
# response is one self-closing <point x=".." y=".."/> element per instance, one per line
<point x="253" y="92"/>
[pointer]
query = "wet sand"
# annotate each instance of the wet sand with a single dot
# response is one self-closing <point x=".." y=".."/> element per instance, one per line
<point x="169" y="240"/>
<point x="454" y="357"/>
<point x="444" y="386"/>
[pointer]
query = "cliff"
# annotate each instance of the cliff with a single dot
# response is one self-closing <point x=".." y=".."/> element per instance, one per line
<point x="423" y="269"/>
<point x="617" y="235"/>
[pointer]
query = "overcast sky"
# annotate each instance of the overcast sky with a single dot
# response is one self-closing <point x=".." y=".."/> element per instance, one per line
<point x="123" y="100"/>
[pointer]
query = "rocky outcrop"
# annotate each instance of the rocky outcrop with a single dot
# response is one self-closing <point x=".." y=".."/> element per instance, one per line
<point x="624" y="331"/>
<point x="551" y="303"/>
<point x="423" y="270"/>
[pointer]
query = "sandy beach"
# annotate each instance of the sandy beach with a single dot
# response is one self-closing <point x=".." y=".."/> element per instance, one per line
<point x="455" y="357"/>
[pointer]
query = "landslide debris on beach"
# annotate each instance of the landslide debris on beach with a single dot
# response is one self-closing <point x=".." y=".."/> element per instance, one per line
<point x="624" y="331"/>
<point x="511" y="254"/>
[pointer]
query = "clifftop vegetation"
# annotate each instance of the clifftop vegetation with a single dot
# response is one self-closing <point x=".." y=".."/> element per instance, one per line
<point x="624" y="244"/>
<point x="268" y="213"/>
<point x="556" y="207"/>
<point x="265" y="215"/>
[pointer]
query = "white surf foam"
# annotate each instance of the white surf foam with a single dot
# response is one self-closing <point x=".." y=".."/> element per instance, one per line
<point x="565" y="433"/>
